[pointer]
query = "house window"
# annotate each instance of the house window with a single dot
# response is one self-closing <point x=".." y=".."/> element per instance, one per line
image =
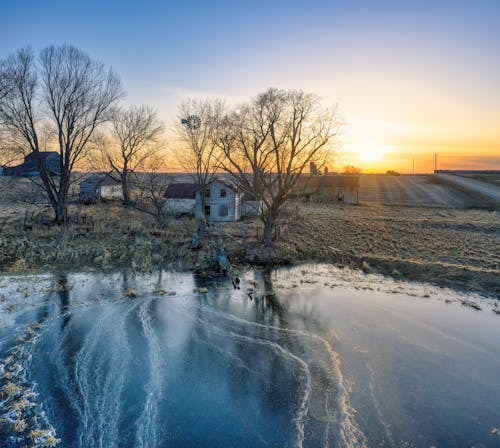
<point x="207" y="193"/>
<point x="223" y="210"/>
<point x="222" y="192"/>
<point x="207" y="210"/>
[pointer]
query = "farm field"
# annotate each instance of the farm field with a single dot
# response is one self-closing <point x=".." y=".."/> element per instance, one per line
<point x="418" y="190"/>
<point x="493" y="179"/>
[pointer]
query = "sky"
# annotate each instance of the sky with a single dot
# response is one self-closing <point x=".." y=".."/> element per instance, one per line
<point x="411" y="78"/>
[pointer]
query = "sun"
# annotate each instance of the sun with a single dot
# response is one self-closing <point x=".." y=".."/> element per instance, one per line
<point x="371" y="152"/>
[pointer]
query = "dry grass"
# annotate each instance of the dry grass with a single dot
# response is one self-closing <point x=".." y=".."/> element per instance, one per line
<point x="100" y="236"/>
<point x="450" y="247"/>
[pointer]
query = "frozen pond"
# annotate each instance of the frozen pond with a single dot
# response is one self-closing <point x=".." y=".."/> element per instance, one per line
<point x="310" y="356"/>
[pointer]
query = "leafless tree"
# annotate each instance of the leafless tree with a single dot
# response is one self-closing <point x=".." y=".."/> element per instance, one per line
<point x="197" y="127"/>
<point x="5" y="81"/>
<point x="67" y="93"/>
<point x="269" y="142"/>
<point x="134" y="134"/>
<point x="150" y="186"/>
<point x="11" y="149"/>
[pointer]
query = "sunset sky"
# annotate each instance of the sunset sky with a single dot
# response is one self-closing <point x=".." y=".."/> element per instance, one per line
<point x="411" y="78"/>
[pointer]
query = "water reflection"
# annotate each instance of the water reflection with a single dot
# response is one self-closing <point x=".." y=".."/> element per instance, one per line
<point x="144" y="371"/>
<point x="276" y="363"/>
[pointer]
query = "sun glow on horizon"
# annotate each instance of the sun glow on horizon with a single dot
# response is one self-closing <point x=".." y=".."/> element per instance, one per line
<point x="370" y="151"/>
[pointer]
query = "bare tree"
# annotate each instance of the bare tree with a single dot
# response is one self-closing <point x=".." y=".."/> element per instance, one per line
<point x="150" y="186"/>
<point x="269" y="142"/>
<point x="5" y="80"/>
<point x="134" y="133"/>
<point x="197" y="127"/>
<point x="67" y="93"/>
<point x="11" y="149"/>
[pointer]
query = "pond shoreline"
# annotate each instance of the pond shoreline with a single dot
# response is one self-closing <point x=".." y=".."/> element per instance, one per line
<point x="451" y="248"/>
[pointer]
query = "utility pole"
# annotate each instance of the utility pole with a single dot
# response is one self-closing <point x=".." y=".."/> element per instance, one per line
<point x="413" y="165"/>
<point x="435" y="162"/>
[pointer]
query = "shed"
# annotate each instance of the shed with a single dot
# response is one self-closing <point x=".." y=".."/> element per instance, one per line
<point x="99" y="186"/>
<point x="110" y="188"/>
<point x="89" y="191"/>
<point x="251" y="206"/>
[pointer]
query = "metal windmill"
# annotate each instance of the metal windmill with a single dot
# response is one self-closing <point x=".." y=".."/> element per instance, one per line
<point x="193" y="122"/>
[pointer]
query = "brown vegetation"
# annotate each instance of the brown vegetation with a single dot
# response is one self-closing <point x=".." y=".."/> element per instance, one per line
<point x="101" y="236"/>
<point x="449" y="247"/>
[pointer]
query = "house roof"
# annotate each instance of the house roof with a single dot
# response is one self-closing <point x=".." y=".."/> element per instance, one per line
<point x="181" y="190"/>
<point x="100" y="179"/>
<point x="227" y="183"/>
<point x="107" y="180"/>
<point x="20" y="170"/>
<point x="187" y="190"/>
<point x="42" y="154"/>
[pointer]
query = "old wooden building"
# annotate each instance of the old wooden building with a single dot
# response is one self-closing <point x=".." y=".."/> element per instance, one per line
<point x="99" y="186"/>
<point x="338" y="188"/>
<point x="50" y="160"/>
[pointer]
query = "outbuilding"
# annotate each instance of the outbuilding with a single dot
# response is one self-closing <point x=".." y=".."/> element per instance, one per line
<point x="338" y="188"/>
<point x="50" y="160"/>
<point x="99" y="186"/>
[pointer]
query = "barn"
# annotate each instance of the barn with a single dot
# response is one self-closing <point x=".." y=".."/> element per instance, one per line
<point x="338" y="188"/>
<point x="51" y="160"/>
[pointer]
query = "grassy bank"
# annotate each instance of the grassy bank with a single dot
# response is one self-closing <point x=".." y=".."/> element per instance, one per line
<point x="448" y="247"/>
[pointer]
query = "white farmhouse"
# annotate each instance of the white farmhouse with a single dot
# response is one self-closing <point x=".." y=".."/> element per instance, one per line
<point x="223" y="201"/>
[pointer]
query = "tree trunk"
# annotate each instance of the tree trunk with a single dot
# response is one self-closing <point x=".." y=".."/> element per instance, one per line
<point x="161" y="218"/>
<point x="267" y="235"/>
<point x="203" y="201"/>
<point x="61" y="213"/>
<point x="125" y="189"/>
<point x="61" y="204"/>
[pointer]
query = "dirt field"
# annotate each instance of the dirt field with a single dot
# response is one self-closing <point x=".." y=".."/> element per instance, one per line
<point x="418" y="190"/>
